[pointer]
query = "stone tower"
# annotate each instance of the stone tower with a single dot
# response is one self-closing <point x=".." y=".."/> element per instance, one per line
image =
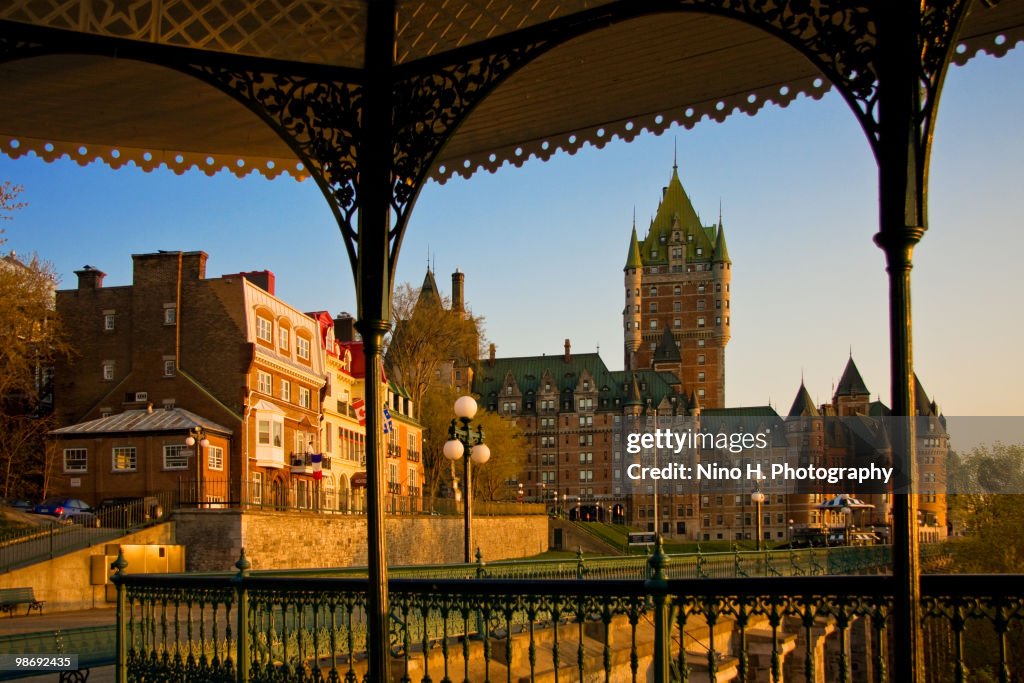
<point x="677" y="285"/>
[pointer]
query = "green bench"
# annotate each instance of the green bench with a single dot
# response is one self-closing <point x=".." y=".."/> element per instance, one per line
<point x="94" y="645"/>
<point x="10" y="598"/>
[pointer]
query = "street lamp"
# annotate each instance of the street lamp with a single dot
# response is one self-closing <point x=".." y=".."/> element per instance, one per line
<point x="197" y="435"/>
<point x="520" y="492"/>
<point x="460" y="439"/>
<point x="847" y="514"/>
<point x="757" y="497"/>
<point x="790" y="539"/>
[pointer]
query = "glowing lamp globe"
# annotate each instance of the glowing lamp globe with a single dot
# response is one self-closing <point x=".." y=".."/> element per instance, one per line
<point x="757" y="497"/>
<point x="190" y="441"/>
<point x="465" y="407"/>
<point x="480" y="453"/>
<point x="453" y="449"/>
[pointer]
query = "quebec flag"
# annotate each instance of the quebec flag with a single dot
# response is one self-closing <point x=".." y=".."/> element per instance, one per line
<point x="388" y="425"/>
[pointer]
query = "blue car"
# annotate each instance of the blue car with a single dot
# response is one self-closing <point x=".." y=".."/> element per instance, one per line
<point x="62" y="508"/>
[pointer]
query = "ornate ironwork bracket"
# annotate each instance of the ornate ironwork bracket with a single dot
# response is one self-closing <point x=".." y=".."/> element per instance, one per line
<point x="428" y="108"/>
<point x="317" y="117"/>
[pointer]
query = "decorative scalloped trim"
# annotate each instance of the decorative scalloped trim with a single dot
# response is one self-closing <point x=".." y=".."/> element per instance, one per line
<point x="598" y="136"/>
<point x="149" y="160"/>
<point x="997" y="45"/>
<point x="994" y="44"/>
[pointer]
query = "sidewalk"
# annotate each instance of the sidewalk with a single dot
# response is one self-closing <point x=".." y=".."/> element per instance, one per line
<point x="57" y="621"/>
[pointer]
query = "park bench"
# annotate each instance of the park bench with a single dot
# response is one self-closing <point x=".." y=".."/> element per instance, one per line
<point x="94" y="645"/>
<point x="10" y="598"/>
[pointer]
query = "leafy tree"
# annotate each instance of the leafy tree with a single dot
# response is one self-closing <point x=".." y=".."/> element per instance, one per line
<point x="31" y="340"/>
<point x="427" y="337"/>
<point x="508" y="458"/>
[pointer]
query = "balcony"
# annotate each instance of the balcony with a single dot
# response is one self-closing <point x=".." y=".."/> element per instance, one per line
<point x="394" y="488"/>
<point x="302" y="463"/>
<point x="394" y="451"/>
<point x="412" y="456"/>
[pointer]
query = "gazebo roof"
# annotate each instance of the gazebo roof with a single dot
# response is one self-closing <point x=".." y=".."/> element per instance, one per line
<point x="607" y="84"/>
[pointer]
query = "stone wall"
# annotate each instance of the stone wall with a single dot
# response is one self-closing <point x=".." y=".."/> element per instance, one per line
<point x="275" y="540"/>
<point x="64" y="583"/>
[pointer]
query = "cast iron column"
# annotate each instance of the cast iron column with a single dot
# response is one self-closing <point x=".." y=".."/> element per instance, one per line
<point x="901" y="160"/>
<point x="467" y="498"/>
<point x="373" y="293"/>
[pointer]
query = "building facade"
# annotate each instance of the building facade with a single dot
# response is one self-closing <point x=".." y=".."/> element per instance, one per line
<point x="678" y="282"/>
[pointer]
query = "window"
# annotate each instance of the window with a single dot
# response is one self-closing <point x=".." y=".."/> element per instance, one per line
<point x="170" y="314"/>
<point x="169" y="367"/>
<point x="700" y="289"/>
<point x="718" y="303"/>
<point x="286" y="390"/>
<point x="654" y="307"/>
<point x="282" y="338"/>
<point x="108" y="321"/>
<point x="700" y="251"/>
<point x="108" y="370"/>
<point x="718" y="321"/>
<point x="700" y="393"/>
<point x="215" y="458"/>
<point x="677" y="323"/>
<point x="305" y="397"/>
<point x="700" y="376"/>
<point x="700" y="322"/>
<point x="654" y="324"/>
<point x="700" y="304"/>
<point x="257" y="488"/>
<point x="700" y="343"/>
<point x="264" y="329"/>
<point x="302" y="348"/>
<point x="123" y="459"/>
<point x="700" y="359"/>
<point x="677" y="307"/>
<point x="264" y="382"/>
<point x="76" y="460"/>
<point x="176" y="456"/>
<point x="269" y="433"/>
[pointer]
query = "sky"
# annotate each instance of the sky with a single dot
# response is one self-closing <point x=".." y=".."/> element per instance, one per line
<point x="543" y="245"/>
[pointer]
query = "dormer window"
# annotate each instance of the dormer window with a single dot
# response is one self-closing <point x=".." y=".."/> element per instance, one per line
<point x="264" y="329"/>
<point x="508" y="390"/>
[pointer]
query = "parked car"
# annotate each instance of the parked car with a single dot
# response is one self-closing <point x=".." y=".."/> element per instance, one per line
<point x="128" y="511"/>
<point x="62" y="508"/>
<point x="85" y="518"/>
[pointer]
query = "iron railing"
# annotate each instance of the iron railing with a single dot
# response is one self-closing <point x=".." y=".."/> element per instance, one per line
<point x="821" y="628"/>
<point x="52" y="538"/>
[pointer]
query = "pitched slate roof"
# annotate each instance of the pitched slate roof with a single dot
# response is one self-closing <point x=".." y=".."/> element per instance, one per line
<point x="141" y="420"/>
<point x="803" y="406"/>
<point x="667" y="351"/>
<point x="633" y="259"/>
<point x="851" y="383"/>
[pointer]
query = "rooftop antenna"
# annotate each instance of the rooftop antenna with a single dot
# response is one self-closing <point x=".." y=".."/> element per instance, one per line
<point x="675" y="164"/>
<point x="719" y="212"/>
<point x="428" y="257"/>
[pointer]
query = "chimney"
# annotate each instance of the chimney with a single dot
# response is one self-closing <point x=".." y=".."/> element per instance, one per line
<point x="264" y="279"/>
<point x="90" y="278"/>
<point x="344" y="328"/>
<point x="490" y="355"/>
<point x="458" y="283"/>
<point x="568" y="354"/>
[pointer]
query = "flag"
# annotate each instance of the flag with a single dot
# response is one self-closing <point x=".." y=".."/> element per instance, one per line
<point x="317" y="461"/>
<point x="383" y="376"/>
<point x="360" y="409"/>
<point x="388" y="425"/>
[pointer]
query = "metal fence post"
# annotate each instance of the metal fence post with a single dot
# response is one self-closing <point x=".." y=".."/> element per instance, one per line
<point x="581" y="569"/>
<point x="242" y="635"/>
<point x="657" y="587"/>
<point x="121" y="632"/>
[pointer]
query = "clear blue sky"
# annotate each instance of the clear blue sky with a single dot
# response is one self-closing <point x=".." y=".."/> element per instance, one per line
<point x="543" y="246"/>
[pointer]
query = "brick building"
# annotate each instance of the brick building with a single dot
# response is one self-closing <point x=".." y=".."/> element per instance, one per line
<point x="226" y="350"/>
<point x="678" y="287"/>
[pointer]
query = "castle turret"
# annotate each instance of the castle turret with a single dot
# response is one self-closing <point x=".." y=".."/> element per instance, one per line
<point x="631" y="313"/>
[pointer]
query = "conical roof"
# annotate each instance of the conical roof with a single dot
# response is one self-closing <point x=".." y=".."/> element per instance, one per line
<point x="633" y="259"/>
<point x="721" y="251"/>
<point x="803" y="406"/>
<point x="430" y="295"/>
<point x="851" y="383"/>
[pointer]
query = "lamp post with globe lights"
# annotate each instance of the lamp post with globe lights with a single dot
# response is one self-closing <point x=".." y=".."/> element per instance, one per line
<point x="197" y="439"/>
<point x="462" y="437"/>
<point x="758" y="498"/>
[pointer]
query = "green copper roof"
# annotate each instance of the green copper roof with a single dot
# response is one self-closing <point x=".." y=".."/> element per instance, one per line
<point x="851" y="383"/>
<point x="633" y="259"/>
<point x="675" y="212"/>
<point x="803" y="406"/>
<point x="721" y="251"/>
<point x="611" y="388"/>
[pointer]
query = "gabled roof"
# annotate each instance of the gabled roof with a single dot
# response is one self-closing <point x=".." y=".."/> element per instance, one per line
<point x="803" y="406"/>
<point x="851" y="383"/>
<point x="141" y="420"/>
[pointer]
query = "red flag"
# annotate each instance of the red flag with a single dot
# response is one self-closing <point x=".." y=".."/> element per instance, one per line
<point x="383" y="376"/>
<point x="360" y="408"/>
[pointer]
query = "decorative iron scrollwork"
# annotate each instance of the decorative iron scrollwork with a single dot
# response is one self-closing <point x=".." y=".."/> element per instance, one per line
<point x="318" y="118"/>
<point x="429" y="106"/>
